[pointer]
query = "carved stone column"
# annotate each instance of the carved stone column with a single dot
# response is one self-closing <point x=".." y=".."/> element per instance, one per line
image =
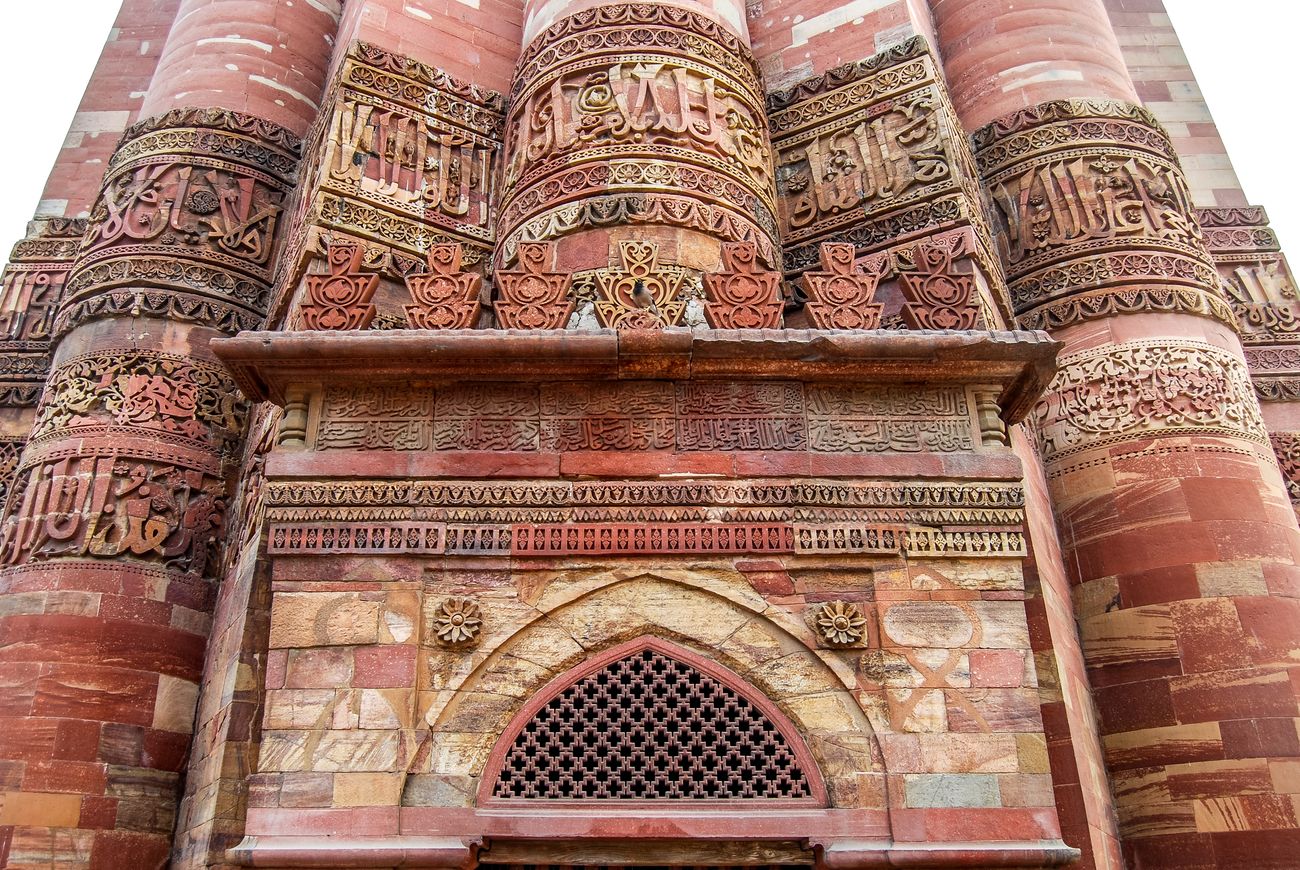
<point x="113" y="532"/>
<point x="1175" y="526"/>
<point x="638" y="123"/>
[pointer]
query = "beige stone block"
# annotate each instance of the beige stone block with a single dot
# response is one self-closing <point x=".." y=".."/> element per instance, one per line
<point x="792" y="675"/>
<point x="173" y="709"/>
<point x="547" y="643"/>
<point x="1125" y="636"/>
<point x="831" y="712"/>
<point x="1285" y="775"/>
<point x="1031" y="749"/>
<point x="512" y="676"/>
<point x="307" y="619"/>
<point x="594" y="624"/>
<point x="969" y="753"/>
<point x="928" y="624"/>
<point x="755" y="644"/>
<point x="679" y="610"/>
<point x="1141" y="748"/>
<point x="306" y="709"/>
<point x="385" y="708"/>
<point x="399" y="616"/>
<point x="1227" y="579"/>
<point x="329" y="751"/>
<point x="367" y="789"/>
<point x="477" y="712"/>
<point x="39" y="809"/>
<point x="460" y="754"/>
<point x="1095" y="597"/>
<point x="917" y="710"/>
<point x="1026" y="790"/>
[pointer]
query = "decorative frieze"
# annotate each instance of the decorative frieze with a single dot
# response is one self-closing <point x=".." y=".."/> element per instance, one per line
<point x="190" y="210"/>
<point x="1286" y="446"/>
<point x="132" y="390"/>
<point x="1089" y="200"/>
<point x="648" y="415"/>
<point x="636" y="115"/>
<point x="871" y="154"/>
<point x="1119" y="392"/>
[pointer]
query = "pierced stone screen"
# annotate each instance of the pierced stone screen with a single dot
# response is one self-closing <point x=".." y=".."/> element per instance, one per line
<point x="648" y="727"/>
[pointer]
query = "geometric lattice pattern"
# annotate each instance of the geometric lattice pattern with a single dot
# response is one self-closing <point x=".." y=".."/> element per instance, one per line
<point x="648" y="727"/>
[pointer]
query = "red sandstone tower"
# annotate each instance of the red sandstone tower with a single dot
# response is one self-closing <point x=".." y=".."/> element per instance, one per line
<point x="480" y="434"/>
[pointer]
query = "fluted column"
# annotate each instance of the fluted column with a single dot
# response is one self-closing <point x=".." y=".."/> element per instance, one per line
<point x="637" y="124"/>
<point x="1175" y="525"/>
<point x="113" y="534"/>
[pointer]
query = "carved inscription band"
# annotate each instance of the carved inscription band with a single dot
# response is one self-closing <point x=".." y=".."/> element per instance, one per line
<point x="1094" y="215"/>
<point x="638" y="115"/>
<point x="186" y="225"/>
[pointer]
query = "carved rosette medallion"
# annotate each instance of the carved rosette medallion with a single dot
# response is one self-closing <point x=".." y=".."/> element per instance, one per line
<point x="1119" y="392"/>
<point x="840" y="623"/>
<point x="458" y="623"/>
<point x="187" y="223"/>
<point x="637" y="115"/>
<point x="1093" y="215"/>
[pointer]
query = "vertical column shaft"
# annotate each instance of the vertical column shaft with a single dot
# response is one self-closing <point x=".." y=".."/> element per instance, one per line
<point x="640" y="123"/>
<point x="112" y="534"/>
<point x="1177" y="531"/>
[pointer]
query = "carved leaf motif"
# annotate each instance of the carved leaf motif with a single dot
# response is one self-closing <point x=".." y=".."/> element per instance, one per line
<point x="445" y="297"/>
<point x="341" y="300"/>
<point x="531" y="297"/>
<point x="840" y="297"/>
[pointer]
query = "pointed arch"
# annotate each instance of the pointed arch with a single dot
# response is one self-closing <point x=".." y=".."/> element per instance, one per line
<point x="648" y="720"/>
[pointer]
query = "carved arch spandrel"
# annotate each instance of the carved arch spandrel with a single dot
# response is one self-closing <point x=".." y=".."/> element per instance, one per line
<point x="766" y="648"/>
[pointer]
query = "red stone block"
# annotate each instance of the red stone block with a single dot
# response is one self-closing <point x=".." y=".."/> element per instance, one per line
<point x="28" y="739"/>
<point x="78" y="777"/>
<point x="78" y="740"/>
<point x="1260" y="738"/>
<point x="85" y="691"/>
<point x="1256" y="693"/>
<point x="1135" y="706"/>
<point x="1159" y="586"/>
<point x="121" y="744"/>
<point x="1181" y="851"/>
<point x="98" y="813"/>
<point x="1257" y="850"/>
<point x="115" y="850"/>
<point x="165" y="750"/>
<point x="384" y="667"/>
<point x="996" y="669"/>
<point x="17" y="687"/>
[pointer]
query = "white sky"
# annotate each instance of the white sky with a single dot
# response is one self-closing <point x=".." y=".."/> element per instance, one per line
<point x="1244" y="53"/>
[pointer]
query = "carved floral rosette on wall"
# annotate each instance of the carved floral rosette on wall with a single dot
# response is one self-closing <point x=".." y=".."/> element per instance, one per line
<point x="624" y="117"/>
<point x="1093" y="215"/>
<point x="186" y="225"/>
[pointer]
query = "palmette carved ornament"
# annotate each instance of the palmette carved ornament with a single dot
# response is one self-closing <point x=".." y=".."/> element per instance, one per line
<point x="841" y="296"/>
<point x="938" y="297"/>
<point x="641" y="114"/>
<point x="1139" y="389"/>
<point x="444" y="297"/>
<point x="10" y="451"/>
<point x="1089" y="199"/>
<point x="139" y="389"/>
<point x="741" y="296"/>
<point x="341" y="299"/>
<point x="532" y="297"/>
<point x="641" y="295"/>
<point x="191" y="207"/>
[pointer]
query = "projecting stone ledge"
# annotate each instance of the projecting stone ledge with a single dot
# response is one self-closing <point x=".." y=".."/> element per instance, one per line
<point x="1020" y="363"/>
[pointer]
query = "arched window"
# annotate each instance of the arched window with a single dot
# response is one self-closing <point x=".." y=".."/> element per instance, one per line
<point x="649" y="721"/>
